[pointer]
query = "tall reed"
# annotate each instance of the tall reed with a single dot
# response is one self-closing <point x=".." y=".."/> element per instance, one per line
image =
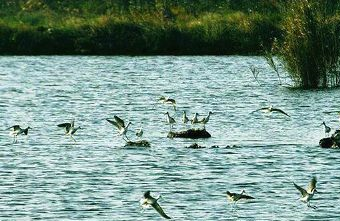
<point x="310" y="51"/>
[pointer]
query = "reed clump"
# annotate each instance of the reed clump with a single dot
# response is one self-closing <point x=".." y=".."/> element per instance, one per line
<point x="310" y="50"/>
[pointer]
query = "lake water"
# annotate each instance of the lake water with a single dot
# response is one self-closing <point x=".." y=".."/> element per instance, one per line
<point x="47" y="176"/>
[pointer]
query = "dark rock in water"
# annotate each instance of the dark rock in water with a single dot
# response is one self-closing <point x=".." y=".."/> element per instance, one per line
<point x="191" y="133"/>
<point x="326" y="142"/>
<point x="139" y="143"/>
<point x="336" y="139"/>
<point x="195" y="146"/>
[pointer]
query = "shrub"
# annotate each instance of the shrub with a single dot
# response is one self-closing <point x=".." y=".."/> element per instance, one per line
<point x="311" y="47"/>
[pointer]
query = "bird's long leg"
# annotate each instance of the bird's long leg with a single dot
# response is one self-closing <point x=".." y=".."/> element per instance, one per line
<point x="73" y="138"/>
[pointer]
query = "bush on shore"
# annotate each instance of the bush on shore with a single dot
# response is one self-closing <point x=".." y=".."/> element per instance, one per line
<point x="310" y="50"/>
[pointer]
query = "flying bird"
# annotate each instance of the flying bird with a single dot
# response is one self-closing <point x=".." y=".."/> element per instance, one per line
<point x="70" y="130"/>
<point x="120" y="125"/>
<point x="17" y="130"/>
<point x="234" y="197"/>
<point x="166" y="100"/>
<point x="148" y="201"/>
<point x="307" y="194"/>
<point x="271" y="109"/>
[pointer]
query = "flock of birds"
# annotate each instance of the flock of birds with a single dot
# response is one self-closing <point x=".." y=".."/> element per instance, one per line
<point x="305" y="196"/>
<point x="147" y="200"/>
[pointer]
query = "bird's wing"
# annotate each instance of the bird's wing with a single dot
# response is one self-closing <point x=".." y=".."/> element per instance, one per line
<point x="25" y="131"/>
<point x="263" y="108"/>
<point x="15" y="127"/>
<point x="173" y="101"/>
<point x="312" y="185"/>
<point x="72" y="123"/>
<point x="119" y="121"/>
<point x="67" y="125"/>
<point x="280" y="111"/>
<point x="159" y="209"/>
<point x="114" y="123"/>
<point x="302" y="190"/>
<point x="246" y="197"/>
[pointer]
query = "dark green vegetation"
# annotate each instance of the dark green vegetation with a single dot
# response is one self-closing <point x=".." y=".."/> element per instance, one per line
<point x="135" y="27"/>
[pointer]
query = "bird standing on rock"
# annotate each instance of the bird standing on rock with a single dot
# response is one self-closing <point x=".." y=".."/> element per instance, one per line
<point x="185" y="118"/>
<point x="170" y="120"/>
<point x="205" y="120"/>
<point x="139" y="132"/>
<point x="194" y="120"/>
<point x="327" y="129"/>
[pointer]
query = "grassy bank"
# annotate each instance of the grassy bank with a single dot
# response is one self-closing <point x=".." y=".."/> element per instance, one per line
<point x="138" y="27"/>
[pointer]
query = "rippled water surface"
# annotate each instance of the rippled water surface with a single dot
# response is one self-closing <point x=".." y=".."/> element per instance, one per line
<point x="47" y="176"/>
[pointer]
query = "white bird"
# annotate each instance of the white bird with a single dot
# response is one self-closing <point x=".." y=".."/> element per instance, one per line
<point x="148" y="201"/>
<point x="205" y="120"/>
<point x="166" y="100"/>
<point x="194" y="120"/>
<point x="327" y="129"/>
<point x="120" y="125"/>
<point x="271" y="109"/>
<point x="70" y="130"/>
<point x="139" y="132"/>
<point x="185" y="118"/>
<point x="170" y="120"/>
<point x="17" y="130"/>
<point x="234" y="197"/>
<point x="307" y="195"/>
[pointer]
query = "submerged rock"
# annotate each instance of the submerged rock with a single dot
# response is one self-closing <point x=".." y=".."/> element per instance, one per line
<point x="139" y="143"/>
<point x="191" y="133"/>
<point x="326" y="142"/>
<point x="195" y="146"/>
